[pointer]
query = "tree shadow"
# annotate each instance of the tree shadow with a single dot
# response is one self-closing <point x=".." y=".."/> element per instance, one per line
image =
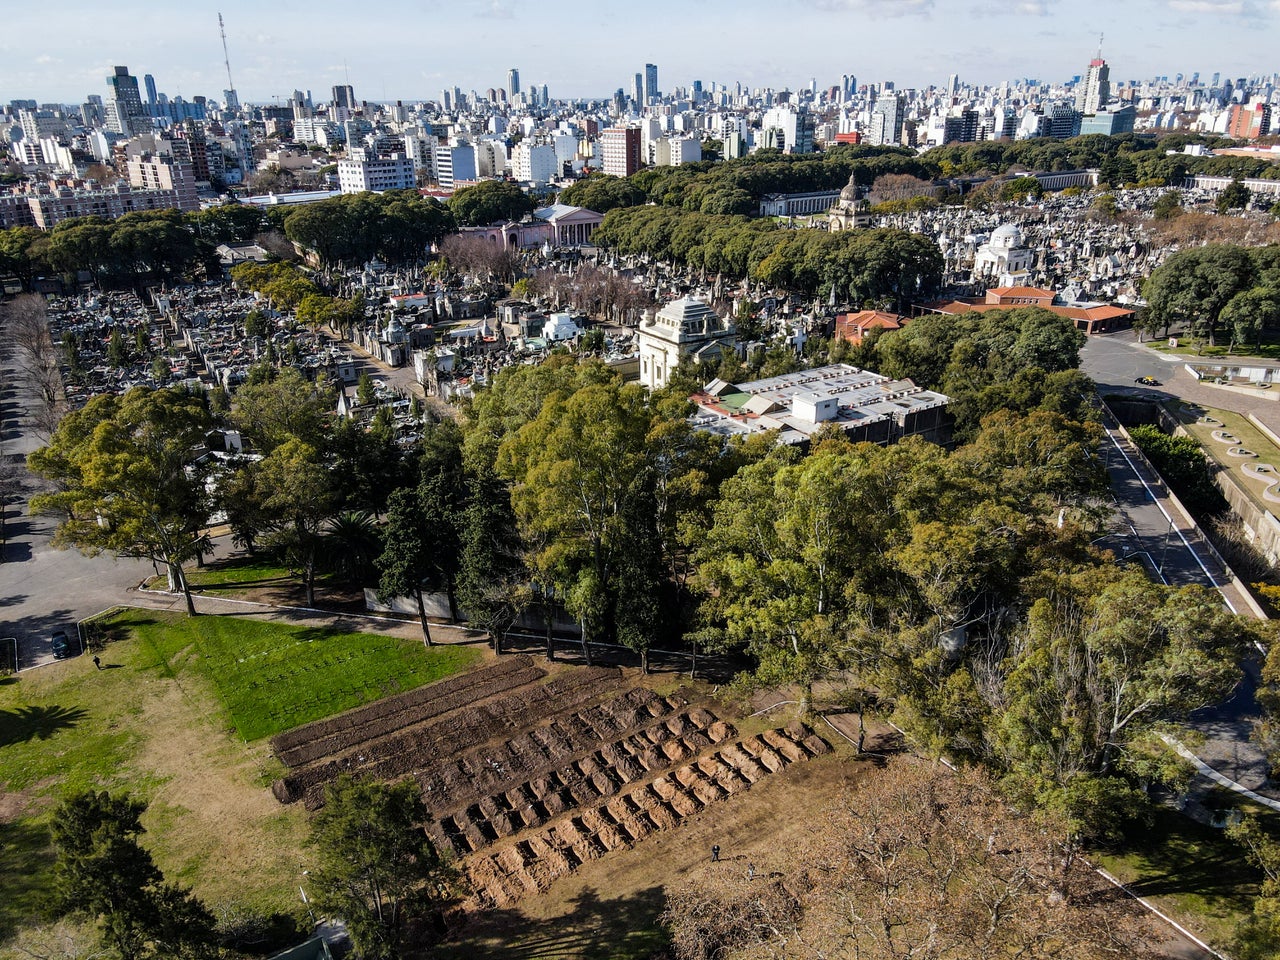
<point x="37" y="723"/>
<point x="595" y="928"/>
<point x="26" y="863"/>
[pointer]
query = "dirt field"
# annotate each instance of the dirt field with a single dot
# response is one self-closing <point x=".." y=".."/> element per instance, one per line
<point x="548" y="787"/>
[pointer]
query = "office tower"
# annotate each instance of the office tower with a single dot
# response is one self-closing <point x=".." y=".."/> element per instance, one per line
<point x="637" y="91"/>
<point x="344" y="97"/>
<point x="953" y="84"/>
<point x="544" y="96"/>
<point x="150" y="82"/>
<point x="697" y="92"/>
<point x="513" y="82"/>
<point x="124" y="106"/>
<point x="1095" y="89"/>
<point x="650" y="83"/>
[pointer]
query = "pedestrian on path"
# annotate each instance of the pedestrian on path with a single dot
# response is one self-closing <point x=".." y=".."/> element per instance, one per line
<point x="97" y="661"/>
<point x="715" y="853"/>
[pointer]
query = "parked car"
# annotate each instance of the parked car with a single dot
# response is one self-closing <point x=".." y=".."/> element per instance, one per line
<point x="61" y="645"/>
<point x="1148" y="381"/>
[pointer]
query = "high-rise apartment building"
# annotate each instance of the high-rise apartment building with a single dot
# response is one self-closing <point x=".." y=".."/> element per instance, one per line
<point x="650" y="83"/>
<point x="621" y="150"/>
<point x="1094" y="90"/>
<point x="886" y="119"/>
<point x="1249" y="121"/>
<point x="364" y="171"/>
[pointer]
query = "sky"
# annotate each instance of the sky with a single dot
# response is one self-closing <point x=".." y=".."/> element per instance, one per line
<point x="412" y="49"/>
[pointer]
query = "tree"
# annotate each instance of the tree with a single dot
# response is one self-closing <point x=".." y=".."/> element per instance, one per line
<point x="1105" y="662"/>
<point x="917" y="863"/>
<point x="282" y="407"/>
<point x="491" y="587"/>
<point x="792" y="545"/>
<point x="1235" y="196"/>
<point x="1259" y="936"/>
<point x="376" y="867"/>
<point x="406" y="560"/>
<point x="491" y="201"/>
<point x="1193" y="287"/>
<point x="297" y="499"/>
<point x="104" y="873"/>
<point x="1250" y="312"/>
<point x="129" y="478"/>
<point x="1168" y="206"/>
<point x="571" y="467"/>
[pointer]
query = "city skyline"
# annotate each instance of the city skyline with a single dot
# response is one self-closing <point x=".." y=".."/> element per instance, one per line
<point x="412" y="48"/>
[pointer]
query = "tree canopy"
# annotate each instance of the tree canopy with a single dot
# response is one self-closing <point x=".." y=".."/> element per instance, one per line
<point x="129" y="478"/>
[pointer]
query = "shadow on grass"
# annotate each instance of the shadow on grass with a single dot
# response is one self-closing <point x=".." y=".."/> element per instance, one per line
<point x="36" y="723"/>
<point x="26" y="864"/>
<point x="594" y="928"/>
<point x="1179" y="856"/>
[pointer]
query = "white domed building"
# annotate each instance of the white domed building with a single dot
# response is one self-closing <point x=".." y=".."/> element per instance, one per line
<point x="1004" y="260"/>
<point x="849" y="213"/>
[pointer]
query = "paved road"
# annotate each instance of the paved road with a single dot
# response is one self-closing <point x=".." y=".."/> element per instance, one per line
<point x="43" y="589"/>
<point x="1170" y="547"/>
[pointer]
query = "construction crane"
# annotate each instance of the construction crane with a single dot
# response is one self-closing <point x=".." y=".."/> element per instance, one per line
<point x="226" y="57"/>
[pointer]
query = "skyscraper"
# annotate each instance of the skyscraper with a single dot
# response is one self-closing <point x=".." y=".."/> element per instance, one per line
<point x="637" y="91"/>
<point x="513" y="82"/>
<point x="886" y="119"/>
<point x="650" y="83"/>
<point x="150" y="82"/>
<point x="1095" y="89"/>
<point x="344" y="96"/>
<point x="124" y="106"/>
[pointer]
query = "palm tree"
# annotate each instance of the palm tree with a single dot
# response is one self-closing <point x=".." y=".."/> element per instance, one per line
<point x="350" y="546"/>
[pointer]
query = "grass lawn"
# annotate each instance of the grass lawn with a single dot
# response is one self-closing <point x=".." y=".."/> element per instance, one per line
<point x="154" y="722"/>
<point x="1190" y="871"/>
<point x="271" y="677"/>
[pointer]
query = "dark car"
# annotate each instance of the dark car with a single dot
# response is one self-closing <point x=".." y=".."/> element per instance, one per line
<point x="61" y="645"/>
<point x="1148" y="381"/>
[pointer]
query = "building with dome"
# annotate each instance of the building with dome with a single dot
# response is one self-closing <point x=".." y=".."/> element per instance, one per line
<point x="849" y="213"/>
<point x="1004" y="258"/>
<point x="684" y="327"/>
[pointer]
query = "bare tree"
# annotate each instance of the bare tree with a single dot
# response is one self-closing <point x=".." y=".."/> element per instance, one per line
<point x="24" y="333"/>
<point x="919" y="863"/>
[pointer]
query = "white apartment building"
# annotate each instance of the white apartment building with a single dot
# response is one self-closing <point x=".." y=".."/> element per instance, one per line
<point x="534" y="162"/>
<point x="357" y="175"/>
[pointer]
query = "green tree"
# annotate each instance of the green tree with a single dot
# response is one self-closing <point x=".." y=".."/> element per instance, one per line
<point x="490" y="201"/>
<point x="491" y="581"/>
<point x="297" y="500"/>
<point x="129" y="479"/>
<point x="406" y="561"/>
<point x="1250" y="312"/>
<point x="1168" y="206"/>
<point x="1192" y="287"/>
<point x="376" y="867"/>
<point x="282" y="406"/>
<point x="1236" y="196"/>
<point x="571" y="467"/>
<point x="104" y="873"/>
<point x="1106" y="662"/>
<point x="1259" y="936"/>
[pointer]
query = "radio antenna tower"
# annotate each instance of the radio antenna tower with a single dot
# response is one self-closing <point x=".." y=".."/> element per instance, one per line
<point x="226" y="57"/>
